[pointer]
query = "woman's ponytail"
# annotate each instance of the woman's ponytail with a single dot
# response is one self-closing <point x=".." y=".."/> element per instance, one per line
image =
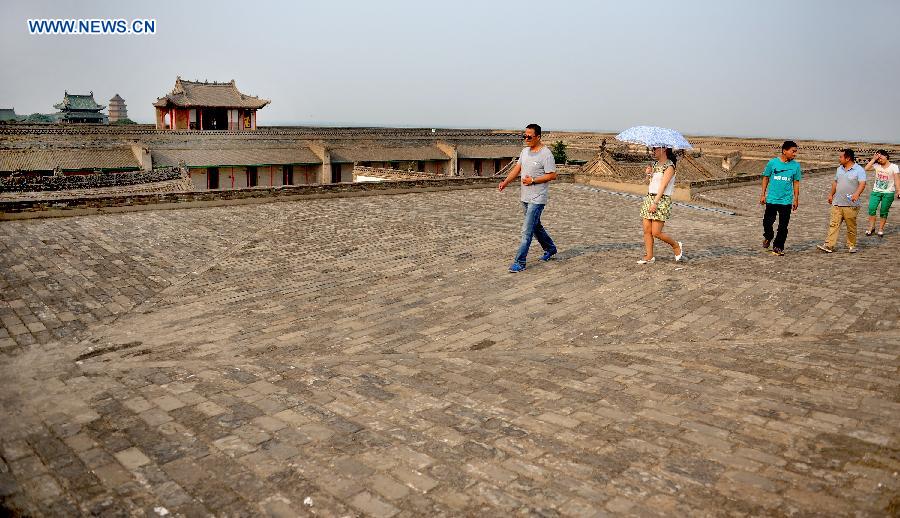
<point x="671" y="156"/>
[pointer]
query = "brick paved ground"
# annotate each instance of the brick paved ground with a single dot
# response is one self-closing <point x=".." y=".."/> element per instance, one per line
<point x="372" y="356"/>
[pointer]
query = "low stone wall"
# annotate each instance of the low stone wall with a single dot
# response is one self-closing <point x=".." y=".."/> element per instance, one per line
<point x="178" y="185"/>
<point x="45" y="208"/>
<point x="720" y="183"/>
<point x="392" y="174"/>
<point x="567" y="169"/>
<point x="94" y="204"/>
<point x="681" y="192"/>
<point x="684" y="191"/>
<point x="97" y="203"/>
<point x="87" y="181"/>
<point x="565" y="173"/>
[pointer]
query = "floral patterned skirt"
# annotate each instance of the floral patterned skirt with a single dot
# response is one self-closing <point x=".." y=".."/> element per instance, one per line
<point x="663" y="210"/>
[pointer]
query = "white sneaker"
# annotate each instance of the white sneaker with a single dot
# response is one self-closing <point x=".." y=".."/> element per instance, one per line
<point x="679" y="256"/>
<point x="645" y="261"/>
<point x="853" y="250"/>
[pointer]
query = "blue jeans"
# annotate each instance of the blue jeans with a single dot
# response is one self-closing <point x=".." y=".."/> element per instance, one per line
<point x="532" y="227"/>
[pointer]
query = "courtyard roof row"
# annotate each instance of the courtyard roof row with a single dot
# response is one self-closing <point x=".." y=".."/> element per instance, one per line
<point x="231" y="154"/>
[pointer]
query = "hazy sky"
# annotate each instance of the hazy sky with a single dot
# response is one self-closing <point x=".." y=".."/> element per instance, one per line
<point x="801" y="69"/>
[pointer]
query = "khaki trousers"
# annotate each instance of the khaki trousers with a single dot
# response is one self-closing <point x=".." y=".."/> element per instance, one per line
<point x="839" y="214"/>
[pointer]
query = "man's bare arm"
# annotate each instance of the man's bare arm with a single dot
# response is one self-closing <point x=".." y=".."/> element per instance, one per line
<point x="510" y="177"/>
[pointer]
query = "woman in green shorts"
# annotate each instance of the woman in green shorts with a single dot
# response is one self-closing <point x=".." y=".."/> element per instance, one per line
<point x="887" y="177"/>
<point x="657" y="204"/>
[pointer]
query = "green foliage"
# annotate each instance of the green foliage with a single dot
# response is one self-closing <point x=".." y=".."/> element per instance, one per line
<point x="39" y="117"/>
<point x="559" y="152"/>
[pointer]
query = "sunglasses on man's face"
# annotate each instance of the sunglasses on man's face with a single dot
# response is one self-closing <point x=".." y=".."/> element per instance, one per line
<point x="528" y="137"/>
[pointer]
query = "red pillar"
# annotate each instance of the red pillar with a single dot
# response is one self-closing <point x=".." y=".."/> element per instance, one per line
<point x="200" y="117"/>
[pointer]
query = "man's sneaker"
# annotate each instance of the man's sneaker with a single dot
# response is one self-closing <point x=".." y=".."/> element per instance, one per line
<point x="853" y="249"/>
<point x="766" y="243"/>
<point x="516" y="268"/>
<point x="548" y="254"/>
<point x="824" y="249"/>
<point x="647" y="261"/>
<point x="777" y="251"/>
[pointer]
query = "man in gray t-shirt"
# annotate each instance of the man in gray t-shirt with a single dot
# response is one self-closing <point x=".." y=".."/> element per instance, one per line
<point x="537" y="168"/>
<point x="848" y="185"/>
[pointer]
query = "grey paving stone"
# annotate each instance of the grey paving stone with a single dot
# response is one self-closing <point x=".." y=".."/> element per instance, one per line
<point x="379" y="359"/>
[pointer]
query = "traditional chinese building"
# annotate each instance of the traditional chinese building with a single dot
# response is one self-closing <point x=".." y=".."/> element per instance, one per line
<point x="207" y="106"/>
<point x="8" y="114"/>
<point x="117" y="109"/>
<point x="79" y="108"/>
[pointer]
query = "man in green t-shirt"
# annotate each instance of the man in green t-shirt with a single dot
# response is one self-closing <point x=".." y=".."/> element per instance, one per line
<point x="780" y="195"/>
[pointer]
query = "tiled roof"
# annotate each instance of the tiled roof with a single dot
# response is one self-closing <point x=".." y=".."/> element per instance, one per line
<point x="227" y="157"/>
<point x="386" y="154"/>
<point x="78" y="102"/>
<point x="219" y="95"/>
<point x="7" y="114"/>
<point x="476" y="151"/>
<point x="67" y="159"/>
<point x="711" y="163"/>
<point x="116" y="98"/>
<point x="749" y="167"/>
<point x="580" y="154"/>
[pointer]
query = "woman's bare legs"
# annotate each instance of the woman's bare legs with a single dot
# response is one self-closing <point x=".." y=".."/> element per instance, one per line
<point x="648" y="239"/>
<point x="657" y="232"/>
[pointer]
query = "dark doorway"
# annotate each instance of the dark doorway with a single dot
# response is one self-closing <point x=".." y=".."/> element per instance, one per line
<point x="335" y="173"/>
<point x="287" y="173"/>
<point x="477" y="167"/>
<point x="212" y="178"/>
<point x="252" y="176"/>
<point x="497" y="166"/>
<point x="215" y="119"/>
